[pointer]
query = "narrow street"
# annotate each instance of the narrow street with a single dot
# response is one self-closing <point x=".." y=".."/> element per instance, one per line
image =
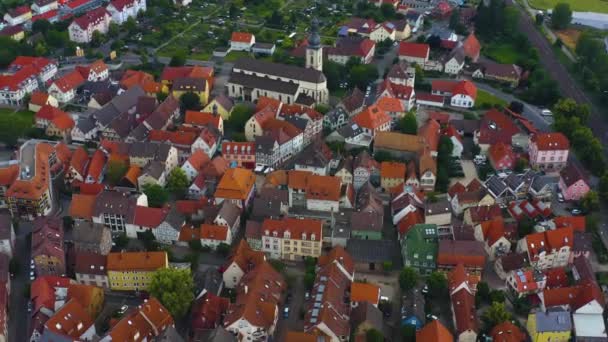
<point x="19" y="317"/>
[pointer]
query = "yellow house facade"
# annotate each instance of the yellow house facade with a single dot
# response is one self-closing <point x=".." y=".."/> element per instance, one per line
<point x="132" y="271"/>
<point x="550" y="326"/>
<point x="219" y="107"/>
<point x="197" y="86"/>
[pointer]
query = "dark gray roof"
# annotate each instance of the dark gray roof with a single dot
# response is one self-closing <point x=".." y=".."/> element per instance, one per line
<point x="554" y="319"/>
<point x="85" y="125"/>
<point x="263" y="208"/>
<point x="513" y="261"/>
<point x="116" y="203"/>
<point x="306" y="100"/>
<point x="88" y="232"/>
<point x="466" y="126"/>
<point x="281" y="70"/>
<point x="311" y="156"/>
<point x="174" y="218"/>
<point x="209" y="279"/>
<point x="355" y="100"/>
<point x="139" y="133"/>
<point x="412" y="16"/>
<point x="218" y="334"/>
<point x="297" y="121"/>
<point x="120" y="104"/>
<point x="400" y="71"/>
<point x="265" y="83"/>
<point x="189" y="84"/>
<point x="439" y="207"/>
<point x="264" y="46"/>
<point x="264" y="144"/>
<point x="161" y="115"/>
<point x="230" y="212"/>
<point x="514" y="181"/>
<point x="372" y="251"/>
<point x="6" y="226"/>
<point x="122" y="125"/>
<point x="582" y="242"/>
<point x="169" y="335"/>
<point x="154" y="169"/>
<point x="366" y="221"/>
<point x="145" y="105"/>
<point x="350" y="130"/>
<point x="541" y="181"/>
<point x="496" y="186"/>
<point x="367" y="312"/>
<point x="225" y="101"/>
<point x="275" y="194"/>
<point x="335" y="114"/>
<point x="253" y="230"/>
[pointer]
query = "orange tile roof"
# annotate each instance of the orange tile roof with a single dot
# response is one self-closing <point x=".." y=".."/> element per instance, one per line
<point x="39" y="98"/>
<point x="390" y="104"/>
<point x="297" y="336"/>
<point x="559" y="238"/>
<point x="267" y="102"/>
<point x="392" y="170"/>
<point x="196" y="118"/>
<point x="63" y="122"/>
<point x="134" y="77"/>
<point x="235" y="184"/>
<point x="152" y="87"/>
<point x="465" y="88"/>
<point x="298" y="228"/>
<point x="48" y="112"/>
<point x="98" y="162"/>
<point x="430" y="131"/>
<point x="198" y="159"/>
<point x="171" y="73"/>
<point x="150" y="319"/>
<point x="185" y="138"/>
<point x="69" y="81"/>
<point x="9" y="174"/>
<point x="156" y="314"/>
<point x="82" y="206"/>
<point x="434" y="332"/>
<point x="213" y="232"/>
<point x="367" y="292"/>
<point x="142" y="261"/>
<point x="372" y="118"/>
<point x="578" y="223"/>
<point x="340" y="255"/>
<point x="37" y="185"/>
<point x="189" y="233"/>
<point x="241" y="37"/>
<point x="85" y="295"/>
<point x="323" y="188"/>
<point x="471" y="46"/>
<point x="507" y="332"/>
<point x="132" y="174"/>
<point x="551" y="141"/>
<point x="297" y="179"/>
<point x="427" y="162"/>
<point x="79" y="161"/>
<point x="245" y="257"/>
<point x="71" y="320"/>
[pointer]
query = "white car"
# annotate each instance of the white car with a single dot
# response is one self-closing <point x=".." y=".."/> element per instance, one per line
<point x="32" y="276"/>
<point x="546" y="112"/>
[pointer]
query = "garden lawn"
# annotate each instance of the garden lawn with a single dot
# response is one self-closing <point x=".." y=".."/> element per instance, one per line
<point x="576" y="5"/>
<point x="13" y="124"/>
<point x="234" y="55"/>
<point x="501" y="53"/>
<point x="485" y="99"/>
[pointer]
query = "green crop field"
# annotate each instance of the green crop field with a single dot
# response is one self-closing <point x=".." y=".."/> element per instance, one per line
<point x="576" y="5"/>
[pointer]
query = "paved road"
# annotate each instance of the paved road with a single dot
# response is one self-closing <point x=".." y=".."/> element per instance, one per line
<point x="568" y="86"/>
<point x="19" y="318"/>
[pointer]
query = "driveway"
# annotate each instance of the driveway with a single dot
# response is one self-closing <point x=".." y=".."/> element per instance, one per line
<point x="470" y="172"/>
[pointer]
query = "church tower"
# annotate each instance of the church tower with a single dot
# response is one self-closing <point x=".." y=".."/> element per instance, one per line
<point x="314" y="51"/>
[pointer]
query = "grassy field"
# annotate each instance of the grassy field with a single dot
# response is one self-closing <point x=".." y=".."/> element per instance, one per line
<point x="234" y="55"/>
<point x="576" y="5"/>
<point x="501" y="53"/>
<point x="485" y="99"/>
<point x="14" y="124"/>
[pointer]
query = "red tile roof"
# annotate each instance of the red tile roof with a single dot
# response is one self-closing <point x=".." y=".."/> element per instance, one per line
<point x="39" y="98"/>
<point x="235" y="184"/>
<point x="551" y="141"/>
<point x="372" y="118"/>
<point x="497" y="127"/>
<point x="414" y="50"/>
<point x="69" y="81"/>
<point x="465" y="88"/>
<point x="96" y="166"/>
<point x="149" y="217"/>
<point x="430" y="131"/>
<point x="72" y="320"/>
<point x="15" y="81"/>
<point x="198" y="160"/>
<point x="213" y="232"/>
<point x="507" y="332"/>
<point x="471" y="46"/>
<point x="574" y="296"/>
<point x="63" y="122"/>
<point x="91" y="17"/>
<point x="19" y="11"/>
<point x="470" y="253"/>
<point x="443" y="85"/>
<point x="171" y="73"/>
<point x="578" y="223"/>
<point x="434" y="332"/>
<point x="360" y="292"/>
<point x="241" y="37"/>
<point x="121" y="4"/>
<point x="202" y="119"/>
<point x="501" y="154"/>
<point x="465" y="315"/>
<point x="181" y="138"/>
<point x="48" y="112"/>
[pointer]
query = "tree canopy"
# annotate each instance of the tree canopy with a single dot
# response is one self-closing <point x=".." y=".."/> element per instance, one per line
<point x="408" y="278"/>
<point x="116" y="170"/>
<point x="408" y="124"/>
<point x="189" y="101"/>
<point x="157" y="196"/>
<point x="438" y="284"/>
<point x="177" y="60"/>
<point x="239" y="116"/>
<point x="177" y="182"/>
<point x="174" y="289"/>
<point x="561" y="16"/>
<point x="495" y="314"/>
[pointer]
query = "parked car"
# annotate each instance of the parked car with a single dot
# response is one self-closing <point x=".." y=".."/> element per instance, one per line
<point x="546" y="112"/>
<point x="32" y="276"/>
<point x="29" y="306"/>
<point x="123" y="309"/>
<point x="286" y="312"/>
<point x="576" y="211"/>
<point x="560" y="197"/>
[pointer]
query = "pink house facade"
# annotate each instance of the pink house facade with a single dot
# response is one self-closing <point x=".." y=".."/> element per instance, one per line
<point x="572" y="184"/>
<point x="549" y="151"/>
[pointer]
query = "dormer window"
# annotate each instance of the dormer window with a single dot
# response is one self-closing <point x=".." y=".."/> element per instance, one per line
<point x="275" y="234"/>
<point x="287" y="235"/>
<point x="303" y="236"/>
<point x="312" y="237"/>
<point x="266" y="232"/>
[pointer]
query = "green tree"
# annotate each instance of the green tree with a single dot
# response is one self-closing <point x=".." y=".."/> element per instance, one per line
<point x="189" y="101"/>
<point x="387" y="266"/>
<point x="590" y="202"/>
<point x="521" y="164"/>
<point x="373" y="335"/>
<point x="157" y="196"/>
<point x="239" y="116"/>
<point x="603" y="187"/>
<point x="561" y="16"/>
<point x="40" y="49"/>
<point x="115" y="171"/>
<point x="382" y="156"/>
<point x="409" y="333"/>
<point x="408" y="124"/>
<point x="495" y="314"/>
<point x="454" y="19"/>
<point x="497" y="296"/>
<point x="525" y="227"/>
<point x="223" y="249"/>
<point x="483" y="292"/>
<point x="178" y="60"/>
<point x="41" y="26"/>
<point x="362" y="75"/>
<point x="521" y="306"/>
<point x="438" y="284"/>
<point x="130" y="25"/>
<point x="569" y="108"/>
<point x="113" y="30"/>
<point x="177" y="182"/>
<point x="388" y="11"/>
<point x="408" y="278"/>
<point x="97" y="39"/>
<point x="276" y="19"/>
<point x="121" y="240"/>
<point x="174" y="289"/>
<point x="309" y="280"/>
